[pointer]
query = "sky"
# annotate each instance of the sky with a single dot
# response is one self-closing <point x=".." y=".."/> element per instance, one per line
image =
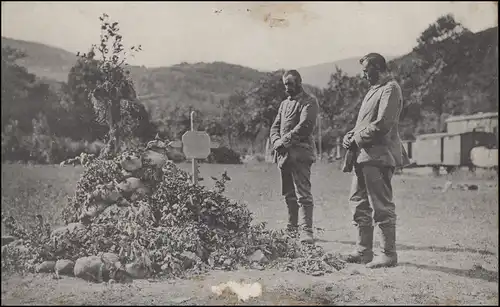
<point x="261" y="35"/>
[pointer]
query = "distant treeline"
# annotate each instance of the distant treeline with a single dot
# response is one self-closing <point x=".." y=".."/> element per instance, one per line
<point x="450" y="71"/>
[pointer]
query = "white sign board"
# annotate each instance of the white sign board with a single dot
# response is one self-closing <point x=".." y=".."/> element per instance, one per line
<point x="196" y="144"/>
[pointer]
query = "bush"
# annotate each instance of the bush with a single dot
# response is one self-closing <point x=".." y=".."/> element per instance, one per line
<point x="66" y="148"/>
<point x="224" y="155"/>
<point x="45" y="149"/>
<point x="41" y="146"/>
<point x="174" y="218"/>
<point x="175" y="155"/>
<point x="259" y="158"/>
<point x="13" y="147"/>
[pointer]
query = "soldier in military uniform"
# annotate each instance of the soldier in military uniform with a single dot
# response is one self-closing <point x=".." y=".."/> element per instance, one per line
<point x="374" y="151"/>
<point x="291" y="136"/>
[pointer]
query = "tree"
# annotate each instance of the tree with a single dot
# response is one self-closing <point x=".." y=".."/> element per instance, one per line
<point x="107" y="81"/>
<point x="136" y="122"/>
<point x="439" y="47"/>
<point x="262" y="104"/>
<point x="174" y="121"/>
<point x="340" y="102"/>
<point x="232" y="119"/>
<point x="23" y="97"/>
<point x="445" y="28"/>
<point x="79" y="103"/>
<point x="41" y="140"/>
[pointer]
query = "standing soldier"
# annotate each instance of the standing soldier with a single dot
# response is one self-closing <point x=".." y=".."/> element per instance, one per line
<point x="292" y="140"/>
<point x="374" y="151"/>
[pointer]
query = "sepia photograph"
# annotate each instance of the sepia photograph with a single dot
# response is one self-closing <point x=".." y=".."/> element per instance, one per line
<point x="249" y="153"/>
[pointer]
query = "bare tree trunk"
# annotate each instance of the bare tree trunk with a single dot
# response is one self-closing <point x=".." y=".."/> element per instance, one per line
<point x="230" y="139"/>
<point x="114" y="126"/>
<point x="439" y="102"/>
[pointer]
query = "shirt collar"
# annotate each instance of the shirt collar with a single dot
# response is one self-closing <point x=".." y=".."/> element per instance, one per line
<point x="384" y="78"/>
<point x="297" y="97"/>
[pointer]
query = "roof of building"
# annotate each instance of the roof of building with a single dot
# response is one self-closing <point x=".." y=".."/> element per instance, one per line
<point x="445" y="134"/>
<point x="473" y="116"/>
<point x="433" y="135"/>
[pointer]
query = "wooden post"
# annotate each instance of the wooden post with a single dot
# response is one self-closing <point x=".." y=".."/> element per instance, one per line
<point x="194" y="162"/>
<point x="338" y="148"/>
<point x="268" y="150"/>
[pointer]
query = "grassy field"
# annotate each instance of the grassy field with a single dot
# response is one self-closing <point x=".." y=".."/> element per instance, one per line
<point x="447" y="241"/>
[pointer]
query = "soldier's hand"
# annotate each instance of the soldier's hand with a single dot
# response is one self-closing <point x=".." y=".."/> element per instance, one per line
<point x="278" y="145"/>
<point x="282" y="150"/>
<point x="347" y="140"/>
<point x="346" y="144"/>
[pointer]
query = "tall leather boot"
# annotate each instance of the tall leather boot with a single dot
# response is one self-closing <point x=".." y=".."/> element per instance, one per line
<point x="293" y="216"/>
<point x="364" y="246"/>
<point x="388" y="257"/>
<point x="306" y="234"/>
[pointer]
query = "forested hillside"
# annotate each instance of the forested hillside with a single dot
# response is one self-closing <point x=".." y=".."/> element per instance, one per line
<point x="455" y="75"/>
<point x="200" y="85"/>
<point x="47" y="114"/>
<point x="319" y="75"/>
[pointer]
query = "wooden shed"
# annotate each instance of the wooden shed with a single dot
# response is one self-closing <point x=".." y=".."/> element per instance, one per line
<point x="487" y="122"/>
<point x="450" y="149"/>
<point x="428" y="148"/>
<point x="457" y="147"/>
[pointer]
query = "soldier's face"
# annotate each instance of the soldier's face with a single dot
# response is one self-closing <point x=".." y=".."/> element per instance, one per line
<point x="370" y="72"/>
<point x="291" y="85"/>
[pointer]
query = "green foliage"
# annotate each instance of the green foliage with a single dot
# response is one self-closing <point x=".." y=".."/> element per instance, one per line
<point x="177" y="217"/>
<point x="42" y="148"/>
<point x="136" y="121"/>
<point x="224" y="155"/>
<point x="445" y="28"/>
<point x="340" y="103"/>
<point x="34" y="239"/>
<point x="451" y="71"/>
<point x="231" y="123"/>
<point x="42" y="142"/>
<point x="47" y="62"/>
<point x="244" y="115"/>
<point x="106" y="81"/>
<point x="265" y="99"/>
<point x="23" y="97"/>
<point x="12" y="142"/>
<point x="79" y="104"/>
<point x="35" y="120"/>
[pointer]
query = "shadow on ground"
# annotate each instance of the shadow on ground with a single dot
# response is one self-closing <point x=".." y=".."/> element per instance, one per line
<point x="404" y="247"/>
<point x="476" y="273"/>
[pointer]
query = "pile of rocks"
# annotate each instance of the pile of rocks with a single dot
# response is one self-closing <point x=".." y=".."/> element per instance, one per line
<point x="139" y="215"/>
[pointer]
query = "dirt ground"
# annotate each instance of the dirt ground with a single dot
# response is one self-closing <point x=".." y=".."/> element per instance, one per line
<point x="447" y="244"/>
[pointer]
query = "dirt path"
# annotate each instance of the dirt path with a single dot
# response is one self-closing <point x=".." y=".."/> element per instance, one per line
<point x="468" y="278"/>
<point x="447" y="246"/>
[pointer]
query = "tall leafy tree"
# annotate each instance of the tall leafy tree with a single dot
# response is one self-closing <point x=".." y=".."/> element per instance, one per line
<point x="106" y="79"/>
<point x="339" y="104"/>
<point x="262" y="104"/>
<point x="439" y="47"/>
<point x="79" y="103"/>
<point x="23" y="97"/>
